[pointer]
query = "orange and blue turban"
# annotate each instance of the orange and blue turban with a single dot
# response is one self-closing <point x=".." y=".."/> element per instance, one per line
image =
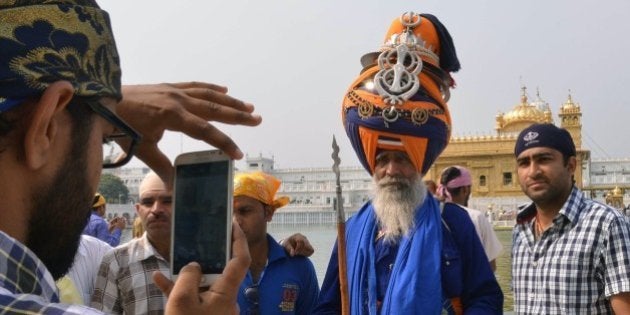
<point x="398" y="102"/>
<point x="44" y="41"/>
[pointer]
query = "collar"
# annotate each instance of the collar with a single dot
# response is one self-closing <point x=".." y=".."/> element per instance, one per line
<point x="276" y="251"/>
<point x="143" y="249"/>
<point x="22" y="272"/>
<point x="570" y="209"/>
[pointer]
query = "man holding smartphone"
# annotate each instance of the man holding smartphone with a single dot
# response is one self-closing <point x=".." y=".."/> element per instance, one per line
<point x="276" y="283"/>
<point x="61" y="100"/>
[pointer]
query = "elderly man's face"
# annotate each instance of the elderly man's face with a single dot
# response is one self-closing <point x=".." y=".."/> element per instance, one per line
<point x="394" y="164"/>
<point x="398" y="191"/>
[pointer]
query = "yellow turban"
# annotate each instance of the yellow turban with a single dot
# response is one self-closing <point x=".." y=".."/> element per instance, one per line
<point x="98" y="201"/>
<point x="260" y="186"/>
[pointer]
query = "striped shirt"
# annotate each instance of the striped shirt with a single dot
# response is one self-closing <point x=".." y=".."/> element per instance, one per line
<point x="577" y="264"/>
<point x="86" y="263"/>
<point x="124" y="283"/>
<point x="26" y="286"/>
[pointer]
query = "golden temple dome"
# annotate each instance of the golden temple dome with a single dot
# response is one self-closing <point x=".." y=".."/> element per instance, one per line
<point x="569" y="105"/>
<point x="524" y="114"/>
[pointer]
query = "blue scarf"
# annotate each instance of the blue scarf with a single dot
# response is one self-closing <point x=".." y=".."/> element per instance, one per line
<point x="415" y="284"/>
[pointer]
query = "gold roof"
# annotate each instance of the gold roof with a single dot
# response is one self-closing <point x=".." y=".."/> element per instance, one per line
<point x="523" y="114"/>
<point x="569" y="105"/>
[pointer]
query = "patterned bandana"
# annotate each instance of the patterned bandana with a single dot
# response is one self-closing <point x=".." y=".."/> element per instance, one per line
<point x="260" y="186"/>
<point x="398" y="102"/>
<point x="44" y="41"/>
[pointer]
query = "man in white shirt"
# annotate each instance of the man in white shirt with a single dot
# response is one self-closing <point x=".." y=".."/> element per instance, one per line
<point x="455" y="186"/>
<point x="84" y="269"/>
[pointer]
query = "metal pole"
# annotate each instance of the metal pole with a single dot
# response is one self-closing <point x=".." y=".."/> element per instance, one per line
<point x="341" y="234"/>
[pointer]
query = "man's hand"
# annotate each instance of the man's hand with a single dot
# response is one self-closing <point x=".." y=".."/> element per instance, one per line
<point x="185" y="107"/>
<point x="117" y="222"/>
<point x="184" y="296"/>
<point x="297" y="244"/>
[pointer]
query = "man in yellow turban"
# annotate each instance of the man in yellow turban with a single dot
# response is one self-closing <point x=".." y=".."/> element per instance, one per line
<point x="276" y="282"/>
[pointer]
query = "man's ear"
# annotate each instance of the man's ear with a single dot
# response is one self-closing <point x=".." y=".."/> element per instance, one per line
<point x="572" y="164"/>
<point x="468" y="190"/>
<point x="268" y="212"/>
<point x="44" y="123"/>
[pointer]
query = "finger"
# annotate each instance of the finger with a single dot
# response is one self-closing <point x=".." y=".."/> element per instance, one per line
<point x="203" y="85"/>
<point x="290" y="248"/>
<point x="186" y="288"/>
<point x="222" y="112"/>
<point x="201" y="130"/>
<point x="162" y="282"/>
<point x="237" y="267"/>
<point x="156" y="160"/>
<point x="221" y="98"/>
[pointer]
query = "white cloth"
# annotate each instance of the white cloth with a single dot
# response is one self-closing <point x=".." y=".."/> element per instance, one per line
<point x="489" y="239"/>
<point x="86" y="263"/>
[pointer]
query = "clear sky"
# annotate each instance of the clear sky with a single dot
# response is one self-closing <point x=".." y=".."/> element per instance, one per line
<point x="294" y="59"/>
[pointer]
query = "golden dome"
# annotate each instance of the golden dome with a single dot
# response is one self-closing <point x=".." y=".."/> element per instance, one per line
<point x="569" y="105"/>
<point x="524" y="112"/>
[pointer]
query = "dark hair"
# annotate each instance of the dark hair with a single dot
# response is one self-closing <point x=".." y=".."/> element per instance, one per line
<point x="448" y="175"/>
<point x="80" y="115"/>
<point x="82" y="118"/>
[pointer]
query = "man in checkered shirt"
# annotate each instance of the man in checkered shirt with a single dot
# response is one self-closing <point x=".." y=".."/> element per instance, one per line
<point x="570" y="254"/>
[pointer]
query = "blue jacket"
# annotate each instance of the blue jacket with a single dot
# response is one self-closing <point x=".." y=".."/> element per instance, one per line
<point x="99" y="228"/>
<point x="288" y="285"/>
<point x="465" y="271"/>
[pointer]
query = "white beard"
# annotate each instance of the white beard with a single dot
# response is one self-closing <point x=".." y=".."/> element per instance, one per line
<point x="395" y="201"/>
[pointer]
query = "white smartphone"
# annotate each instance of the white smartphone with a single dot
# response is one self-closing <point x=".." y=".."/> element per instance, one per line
<point x="202" y="213"/>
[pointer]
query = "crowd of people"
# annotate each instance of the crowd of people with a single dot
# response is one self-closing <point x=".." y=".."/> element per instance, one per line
<point x="409" y="250"/>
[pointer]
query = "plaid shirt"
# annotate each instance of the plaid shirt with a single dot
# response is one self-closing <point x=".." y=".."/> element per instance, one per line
<point x="26" y="286"/>
<point x="578" y="263"/>
<point x="124" y="283"/>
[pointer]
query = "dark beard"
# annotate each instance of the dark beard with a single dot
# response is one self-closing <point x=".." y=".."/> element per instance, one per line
<point x="61" y="209"/>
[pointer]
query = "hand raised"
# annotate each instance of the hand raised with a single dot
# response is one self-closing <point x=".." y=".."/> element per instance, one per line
<point x="186" y="107"/>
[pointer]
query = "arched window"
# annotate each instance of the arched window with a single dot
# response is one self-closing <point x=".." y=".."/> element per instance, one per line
<point x="482" y="180"/>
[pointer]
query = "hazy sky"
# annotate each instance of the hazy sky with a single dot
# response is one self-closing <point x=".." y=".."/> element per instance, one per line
<point x="294" y="59"/>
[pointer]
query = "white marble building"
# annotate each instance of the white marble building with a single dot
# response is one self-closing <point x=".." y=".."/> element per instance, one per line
<point x="312" y="190"/>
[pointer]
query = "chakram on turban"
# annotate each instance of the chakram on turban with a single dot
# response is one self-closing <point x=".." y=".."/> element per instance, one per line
<point x="398" y="102"/>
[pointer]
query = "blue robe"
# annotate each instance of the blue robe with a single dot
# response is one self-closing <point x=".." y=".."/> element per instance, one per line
<point x="464" y="270"/>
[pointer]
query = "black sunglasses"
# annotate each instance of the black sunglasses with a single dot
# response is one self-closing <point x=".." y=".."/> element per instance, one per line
<point x="251" y="293"/>
<point x="125" y="136"/>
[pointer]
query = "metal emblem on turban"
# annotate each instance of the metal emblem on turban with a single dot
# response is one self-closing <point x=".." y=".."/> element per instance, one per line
<point x="399" y="64"/>
<point x="396" y="102"/>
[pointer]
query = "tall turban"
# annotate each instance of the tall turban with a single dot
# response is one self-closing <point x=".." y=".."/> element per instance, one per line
<point x="398" y="102"/>
<point x="44" y="41"/>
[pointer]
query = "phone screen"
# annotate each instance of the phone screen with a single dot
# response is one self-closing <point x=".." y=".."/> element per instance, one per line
<point x="201" y="210"/>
